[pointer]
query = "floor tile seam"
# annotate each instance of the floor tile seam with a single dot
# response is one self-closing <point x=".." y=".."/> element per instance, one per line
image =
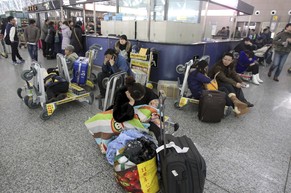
<point x="217" y="185"/>
<point x="287" y="176"/>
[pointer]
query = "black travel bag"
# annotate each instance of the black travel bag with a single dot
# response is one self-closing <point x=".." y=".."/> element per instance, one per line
<point x="183" y="169"/>
<point x="211" y="106"/>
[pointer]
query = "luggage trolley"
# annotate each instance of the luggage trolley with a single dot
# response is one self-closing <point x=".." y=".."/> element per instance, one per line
<point x="184" y="98"/>
<point x="34" y="95"/>
<point x="140" y="64"/>
<point x="112" y="83"/>
<point x="92" y="54"/>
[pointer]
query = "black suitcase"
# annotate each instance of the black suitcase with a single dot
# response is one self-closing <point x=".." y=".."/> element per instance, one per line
<point x="211" y="106"/>
<point x="183" y="169"/>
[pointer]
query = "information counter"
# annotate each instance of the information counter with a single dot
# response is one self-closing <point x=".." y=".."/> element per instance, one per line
<point x="169" y="54"/>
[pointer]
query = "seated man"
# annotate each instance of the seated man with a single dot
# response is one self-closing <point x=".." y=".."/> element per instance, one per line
<point x="113" y="63"/>
<point x="245" y="44"/>
<point x="71" y="57"/>
<point x="247" y="62"/>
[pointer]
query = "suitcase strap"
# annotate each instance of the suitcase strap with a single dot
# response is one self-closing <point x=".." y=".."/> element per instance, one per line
<point x="79" y="72"/>
<point x="173" y="145"/>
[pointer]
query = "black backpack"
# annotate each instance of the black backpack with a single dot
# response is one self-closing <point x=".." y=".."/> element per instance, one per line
<point x="7" y="39"/>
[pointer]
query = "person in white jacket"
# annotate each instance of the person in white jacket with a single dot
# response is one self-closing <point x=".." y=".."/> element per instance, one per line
<point x="66" y="33"/>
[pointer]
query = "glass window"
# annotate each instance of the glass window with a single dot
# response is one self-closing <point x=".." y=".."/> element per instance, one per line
<point x="184" y="11"/>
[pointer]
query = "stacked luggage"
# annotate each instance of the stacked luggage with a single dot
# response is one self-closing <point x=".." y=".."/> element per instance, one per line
<point x="140" y="160"/>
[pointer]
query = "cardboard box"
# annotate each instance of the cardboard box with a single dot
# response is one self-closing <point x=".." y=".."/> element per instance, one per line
<point x="169" y="87"/>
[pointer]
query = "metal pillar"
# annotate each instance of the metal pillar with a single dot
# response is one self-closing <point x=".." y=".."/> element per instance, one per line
<point x="149" y="19"/>
<point x="94" y="18"/>
<point x="84" y="15"/>
<point x="204" y="21"/>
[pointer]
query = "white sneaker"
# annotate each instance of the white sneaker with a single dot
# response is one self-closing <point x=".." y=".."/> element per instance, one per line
<point x="254" y="80"/>
<point x="258" y="78"/>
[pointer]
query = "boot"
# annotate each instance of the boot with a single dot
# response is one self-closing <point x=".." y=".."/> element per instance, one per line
<point x="258" y="78"/>
<point x="254" y="80"/>
<point x="240" y="108"/>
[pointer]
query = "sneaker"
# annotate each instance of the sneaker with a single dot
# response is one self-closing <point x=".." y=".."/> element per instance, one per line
<point x="15" y="63"/>
<point x="276" y="79"/>
<point x="100" y="96"/>
<point x="21" y="61"/>
<point x="269" y="73"/>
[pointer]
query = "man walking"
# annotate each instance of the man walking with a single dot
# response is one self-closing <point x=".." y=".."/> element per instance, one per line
<point x="11" y="38"/>
<point x="32" y="34"/>
<point x="282" y="47"/>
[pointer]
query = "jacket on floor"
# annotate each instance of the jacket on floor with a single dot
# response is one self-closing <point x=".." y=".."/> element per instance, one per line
<point x="196" y="81"/>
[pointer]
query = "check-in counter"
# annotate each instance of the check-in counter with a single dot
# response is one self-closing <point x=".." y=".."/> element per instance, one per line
<point x="169" y="54"/>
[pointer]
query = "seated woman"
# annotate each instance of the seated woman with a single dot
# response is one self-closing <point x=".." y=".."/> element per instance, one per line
<point x="197" y="78"/>
<point x="133" y="94"/>
<point x="123" y="47"/>
<point x="230" y="82"/>
<point x="247" y="62"/>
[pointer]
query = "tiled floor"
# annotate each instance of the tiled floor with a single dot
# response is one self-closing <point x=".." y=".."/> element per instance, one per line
<point x="250" y="154"/>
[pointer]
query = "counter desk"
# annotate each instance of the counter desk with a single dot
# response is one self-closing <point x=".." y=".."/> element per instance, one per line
<point x="169" y="54"/>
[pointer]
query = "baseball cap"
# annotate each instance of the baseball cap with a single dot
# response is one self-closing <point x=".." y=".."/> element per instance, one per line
<point x="124" y="37"/>
<point x="70" y="48"/>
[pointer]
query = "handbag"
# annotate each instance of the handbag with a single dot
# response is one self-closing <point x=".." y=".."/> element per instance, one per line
<point x="81" y="46"/>
<point x="213" y="85"/>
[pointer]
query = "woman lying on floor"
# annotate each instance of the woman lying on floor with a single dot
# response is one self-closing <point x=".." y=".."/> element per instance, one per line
<point x="133" y="94"/>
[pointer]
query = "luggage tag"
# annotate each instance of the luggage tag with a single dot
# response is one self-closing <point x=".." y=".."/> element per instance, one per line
<point x="172" y="144"/>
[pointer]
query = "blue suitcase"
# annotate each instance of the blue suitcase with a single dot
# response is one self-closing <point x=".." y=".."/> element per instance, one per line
<point x="80" y="70"/>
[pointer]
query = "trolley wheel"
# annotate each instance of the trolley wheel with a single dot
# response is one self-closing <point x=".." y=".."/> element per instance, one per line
<point x="180" y="69"/>
<point x="104" y="82"/>
<point x="25" y="100"/>
<point x="27" y="75"/>
<point x="32" y="105"/>
<point x="44" y="116"/>
<point x="29" y="102"/>
<point x="91" y="98"/>
<point x="93" y="77"/>
<point x="19" y="91"/>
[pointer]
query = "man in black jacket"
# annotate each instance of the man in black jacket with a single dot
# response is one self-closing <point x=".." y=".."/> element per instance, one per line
<point x="244" y="45"/>
<point x="11" y="38"/>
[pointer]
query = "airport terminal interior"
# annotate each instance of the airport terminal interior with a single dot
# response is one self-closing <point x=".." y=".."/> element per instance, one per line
<point x="250" y="153"/>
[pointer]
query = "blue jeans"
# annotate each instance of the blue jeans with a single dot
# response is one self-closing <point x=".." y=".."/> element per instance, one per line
<point x="32" y="49"/>
<point x="279" y="61"/>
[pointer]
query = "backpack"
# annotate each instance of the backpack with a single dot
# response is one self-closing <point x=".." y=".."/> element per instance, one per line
<point x="7" y="39"/>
